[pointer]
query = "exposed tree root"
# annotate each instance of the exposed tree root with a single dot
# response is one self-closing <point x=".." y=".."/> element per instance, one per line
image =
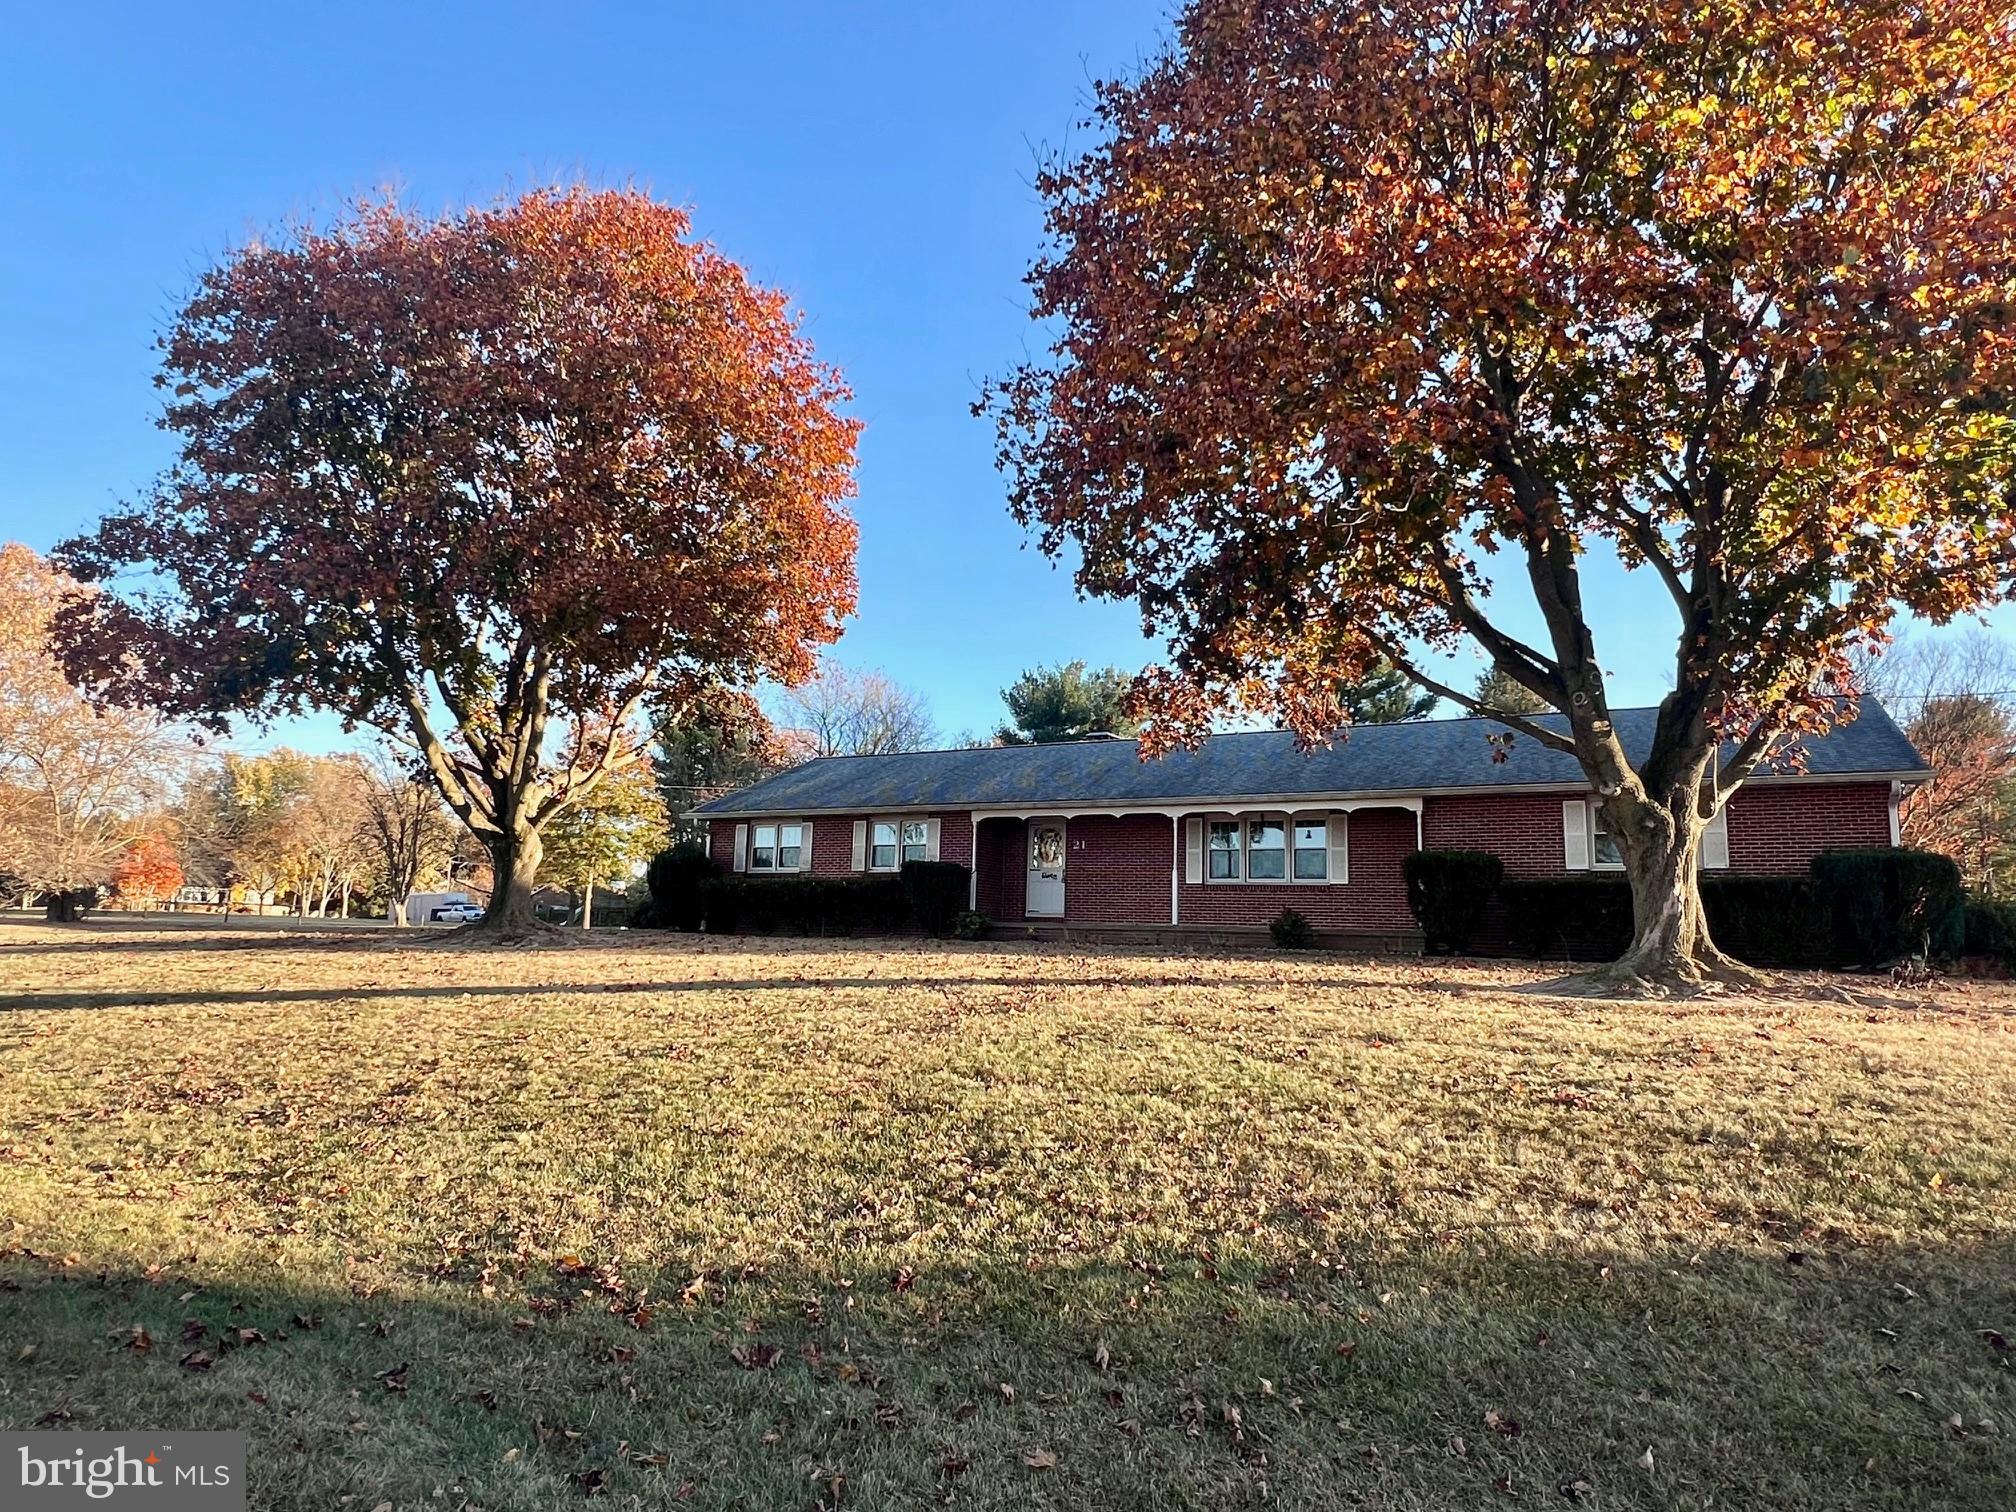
<point x="1640" y="977"/>
<point x="506" y="932"/>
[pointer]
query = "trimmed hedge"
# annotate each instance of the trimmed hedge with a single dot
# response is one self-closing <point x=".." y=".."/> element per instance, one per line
<point x="1567" y="918"/>
<point x="1889" y="903"/>
<point x="1989" y="930"/>
<point x="675" y="877"/>
<point x="1856" y="908"/>
<point x="1766" y="921"/>
<point x="1449" y="890"/>
<point x="738" y="903"/>
<point x="936" y="892"/>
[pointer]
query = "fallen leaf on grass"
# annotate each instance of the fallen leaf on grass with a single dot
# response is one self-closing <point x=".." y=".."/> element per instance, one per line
<point x="952" y="1465"/>
<point x="755" y="1356"/>
<point x="141" y="1342"/>
<point x="197" y="1359"/>
<point x="395" y="1378"/>
<point x="1645" y="1459"/>
<point x="1497" y="1422"/>
<point x="1039" y="1459"/>
<point x="1995" y="1340"/>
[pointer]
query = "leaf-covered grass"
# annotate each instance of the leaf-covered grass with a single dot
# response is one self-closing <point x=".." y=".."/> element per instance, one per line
<point x="776" y="1223"/>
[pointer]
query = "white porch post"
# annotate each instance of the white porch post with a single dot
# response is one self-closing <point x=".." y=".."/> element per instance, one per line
<point x="973" y="871"/>
<point x="1175" y="869"/>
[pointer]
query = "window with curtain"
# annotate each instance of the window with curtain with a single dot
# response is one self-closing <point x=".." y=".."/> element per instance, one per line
<point x="882" y="842"/>
<point x="1266" y="850"/>
<point x="916" y="840"/>
<point x="1312" y="850"/>
<point x="1224" y="851"/>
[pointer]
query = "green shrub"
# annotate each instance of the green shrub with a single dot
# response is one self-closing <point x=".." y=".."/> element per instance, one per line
<point x="1568" y="918"/>
<point x="1448" y="890"/>
<point x="1883" y="904"/>
<point x="675" y="877"/>
<point x="937" y="893"/>
<point x="1767" y="921"/>
<point x="1292" y="931"/>
<point x="968" y="925"/>
<point x="804" y="905"/>
<point x="1989" y="930"/>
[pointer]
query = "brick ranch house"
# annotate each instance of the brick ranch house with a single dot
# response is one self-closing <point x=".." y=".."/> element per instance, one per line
<point x="1084" y="837"/>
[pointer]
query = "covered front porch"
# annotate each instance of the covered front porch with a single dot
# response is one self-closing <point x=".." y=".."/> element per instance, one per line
<point x="1201" y="873"/>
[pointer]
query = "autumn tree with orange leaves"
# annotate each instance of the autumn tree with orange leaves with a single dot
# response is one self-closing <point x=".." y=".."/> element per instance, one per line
<point x="1371" y="320"/>
<point x="147" y="873"/>
<point x="494" y="483"/>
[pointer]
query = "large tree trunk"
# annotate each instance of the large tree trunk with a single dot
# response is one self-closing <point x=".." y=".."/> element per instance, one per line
<point x="588" y="904"/>
<point x="67" y="905"/>
<point x="1671" y="951"/>
<point x="514" y="862"/>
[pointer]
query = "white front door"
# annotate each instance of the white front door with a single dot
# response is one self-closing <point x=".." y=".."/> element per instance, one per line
<point x="1046" y="868"/>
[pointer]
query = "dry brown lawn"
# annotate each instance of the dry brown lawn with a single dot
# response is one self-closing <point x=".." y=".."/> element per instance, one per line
<point x="784" y="1223"/>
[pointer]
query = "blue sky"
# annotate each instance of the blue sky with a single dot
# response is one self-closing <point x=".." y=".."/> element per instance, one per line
<point x="872" y="159"/>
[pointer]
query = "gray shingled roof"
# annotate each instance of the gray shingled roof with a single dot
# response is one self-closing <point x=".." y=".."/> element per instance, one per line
<point x="1423" y="756"/>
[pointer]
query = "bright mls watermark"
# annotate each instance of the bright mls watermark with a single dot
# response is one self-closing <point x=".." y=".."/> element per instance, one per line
<point x="158" y="1472"/>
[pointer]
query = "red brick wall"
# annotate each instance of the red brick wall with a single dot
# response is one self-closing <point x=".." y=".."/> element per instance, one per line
<point x="1773" y="830"/>
<point x="1116" y="870"/>
<point x="1522" y="829"/>
<point x="833" y="842"/>
<point x="1375" y="899"/>
<point x="1776" y="830"/>
<point x="1001" y="847"/>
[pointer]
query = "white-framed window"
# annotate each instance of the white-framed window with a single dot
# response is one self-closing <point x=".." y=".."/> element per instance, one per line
<point x="883" y="841"/>
<point x="1284" y="848"/>
<point x="777" y="847"/>
<point x="1312" y="849"/>
<point x="1266" y="849"/>
<point x="1588" y="846"/>
<point x="1603" y="852"/>
<point x="1224" y="851"/>
<point x="916" y="840"/>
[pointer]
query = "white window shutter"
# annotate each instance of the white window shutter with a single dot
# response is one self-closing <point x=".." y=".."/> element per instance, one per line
<point x="860" y="844"/>
<point x="930" y="839"/>
<point x="741" y="847"/>
<point x="805" y="846"/>
<point x="1193" y="850"/>
<point x="1575" y="834"/>
<point x="1715" y="842"/>
<point x="1339" y="834"/>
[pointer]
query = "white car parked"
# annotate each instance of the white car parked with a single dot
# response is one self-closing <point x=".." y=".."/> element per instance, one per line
<point x="456" y="913"/>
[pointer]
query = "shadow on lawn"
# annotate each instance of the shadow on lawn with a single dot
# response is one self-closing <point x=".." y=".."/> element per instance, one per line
<point x="1034" y="981"/>
<point x="1454" y="1381"/>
